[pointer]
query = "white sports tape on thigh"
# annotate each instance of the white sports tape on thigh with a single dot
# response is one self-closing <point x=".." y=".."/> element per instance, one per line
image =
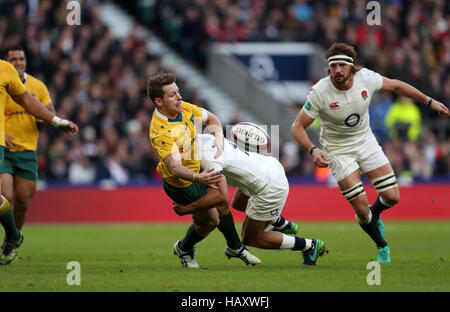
<point x="385" y="182"/>
<point x="354" y="192"/>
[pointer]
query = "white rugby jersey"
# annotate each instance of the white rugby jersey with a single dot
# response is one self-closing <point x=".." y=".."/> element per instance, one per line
<point x="250" y="172"/>
<point x="344" y="115"/>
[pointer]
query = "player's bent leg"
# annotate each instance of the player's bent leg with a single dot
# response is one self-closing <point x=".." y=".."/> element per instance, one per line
<point x="253" y="234"/>
<point x="204" y="222"/>
<point x="353" y="191"/>
<point x="242" y="252"/>
<point x="384" y="181"/>
<point x="24" y="191"/>
<point x="14" y="237"/>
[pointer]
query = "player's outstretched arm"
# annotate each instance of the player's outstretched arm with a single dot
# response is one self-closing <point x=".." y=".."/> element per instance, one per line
<point x="404" y="89"/>
<point x="298" y="132"/>
<point x="35" y="108"/>
<point x="213" y="198"/>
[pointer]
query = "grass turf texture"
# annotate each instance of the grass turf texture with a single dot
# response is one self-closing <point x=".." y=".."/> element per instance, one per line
<point x="139" y="258"/>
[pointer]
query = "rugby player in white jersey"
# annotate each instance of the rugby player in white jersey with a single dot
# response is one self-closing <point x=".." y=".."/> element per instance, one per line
<point x="341" y="100"/>
<point x="262" y="192"/>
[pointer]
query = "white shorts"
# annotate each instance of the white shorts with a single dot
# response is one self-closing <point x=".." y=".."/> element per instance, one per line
<point x="366" y="156"/>
<point x="268" y="204"/>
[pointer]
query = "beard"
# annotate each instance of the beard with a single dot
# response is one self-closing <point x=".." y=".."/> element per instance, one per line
<point x="341" y="79"/>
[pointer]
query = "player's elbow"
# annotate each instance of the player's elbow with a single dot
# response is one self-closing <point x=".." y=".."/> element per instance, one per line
<point x="296" y="128"/>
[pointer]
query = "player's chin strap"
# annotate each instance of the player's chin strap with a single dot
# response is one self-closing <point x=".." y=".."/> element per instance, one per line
<point x="58" y="122"/>
<point x="385" y="182"/>
<point x="341" y="58"/>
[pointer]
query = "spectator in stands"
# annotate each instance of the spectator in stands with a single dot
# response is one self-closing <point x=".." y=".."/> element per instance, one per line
<point x="403" y="120"/>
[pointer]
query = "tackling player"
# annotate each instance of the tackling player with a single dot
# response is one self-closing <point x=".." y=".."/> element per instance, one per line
<point x="341" y="100"/>
<point x="262" y="192"/>
<point x="21" y="136"/>
<point x="172" y="134"/>
<point x="10" y="84"/>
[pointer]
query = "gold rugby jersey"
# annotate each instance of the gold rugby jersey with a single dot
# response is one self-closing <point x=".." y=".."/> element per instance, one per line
<point x="9" y="84"/>
<point x="20" y="124"/>
<point x="170" y="136"/>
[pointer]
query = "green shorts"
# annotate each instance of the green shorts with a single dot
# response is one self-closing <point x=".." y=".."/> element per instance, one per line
<point x="23" y="164"/>
<point x="185" y="195"/>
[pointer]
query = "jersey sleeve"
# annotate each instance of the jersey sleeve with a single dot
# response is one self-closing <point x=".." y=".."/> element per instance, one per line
<point x="15" y="85"/>
<point x="373" y="79"/>
<point x="312" y="105"/>
<point x="196" y="111"/>
<point x="164" y="145"/>
<point x="44" y="95"/>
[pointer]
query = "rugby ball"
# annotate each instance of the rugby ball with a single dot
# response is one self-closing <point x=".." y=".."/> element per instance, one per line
<point x="250" y="137"/>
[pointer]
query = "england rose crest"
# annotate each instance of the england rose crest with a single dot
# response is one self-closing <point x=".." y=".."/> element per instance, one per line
<point x="364" y="94"/>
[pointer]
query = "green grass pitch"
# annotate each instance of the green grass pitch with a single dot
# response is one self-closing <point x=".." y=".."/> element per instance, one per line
<point x="139" y="258"/>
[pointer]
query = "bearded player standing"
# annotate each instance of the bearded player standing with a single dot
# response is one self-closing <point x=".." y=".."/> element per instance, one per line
<point x="341" y="100"/>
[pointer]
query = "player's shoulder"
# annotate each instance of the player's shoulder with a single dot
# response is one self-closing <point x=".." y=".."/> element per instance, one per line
<point x="157" y="124"/>
<point x="34" y="80"/>
<point x="7" y="66"/>
<point x="321" y="85"/>
<point x="187" y="106"/>
<point x="365" y="73"/>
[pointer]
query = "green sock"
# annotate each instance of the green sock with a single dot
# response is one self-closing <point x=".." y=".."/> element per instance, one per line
<point x="190" y="239"/>
<point x="228" y="230"/>
<point x="7" y="220"/>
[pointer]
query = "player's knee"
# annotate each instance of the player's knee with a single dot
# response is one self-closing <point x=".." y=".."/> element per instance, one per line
<point x="392" y="198"/>
<point x="387" y="187"/>
<point x="207" y="225"/>
<point x="362" y="216"/>
<point x="21" y="204"/>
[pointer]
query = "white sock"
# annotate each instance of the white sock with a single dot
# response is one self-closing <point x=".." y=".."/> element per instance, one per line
<point x="308" y="244"/>
<point x="288" y="242"/>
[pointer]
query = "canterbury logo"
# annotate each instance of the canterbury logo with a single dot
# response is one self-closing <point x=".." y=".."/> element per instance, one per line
<point x="334" y="105"/>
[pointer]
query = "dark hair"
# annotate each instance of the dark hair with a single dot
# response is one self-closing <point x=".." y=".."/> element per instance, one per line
<point x="11" y="48"/>
<point x="156" y="83"/>
<point x="345" y="49"/>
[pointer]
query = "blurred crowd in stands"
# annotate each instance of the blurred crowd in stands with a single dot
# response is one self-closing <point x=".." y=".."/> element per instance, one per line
<point x="99" y="81"/>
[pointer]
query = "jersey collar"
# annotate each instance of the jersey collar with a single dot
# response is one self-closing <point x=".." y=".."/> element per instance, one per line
<point x="179" y="117"/>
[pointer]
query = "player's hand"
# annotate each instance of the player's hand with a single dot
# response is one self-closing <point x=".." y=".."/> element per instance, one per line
<point x="320" y="158"/>
<point x="8" y="143"/>
<point x="65" y="126"/>
<point x="218" y="142"/>
<point x="209" y="177"/>
<point x="179" y="209"/>
<point x="440" y="108"/>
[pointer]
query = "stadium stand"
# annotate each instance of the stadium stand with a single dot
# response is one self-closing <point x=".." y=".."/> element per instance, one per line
<point x="94" y="81"/>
